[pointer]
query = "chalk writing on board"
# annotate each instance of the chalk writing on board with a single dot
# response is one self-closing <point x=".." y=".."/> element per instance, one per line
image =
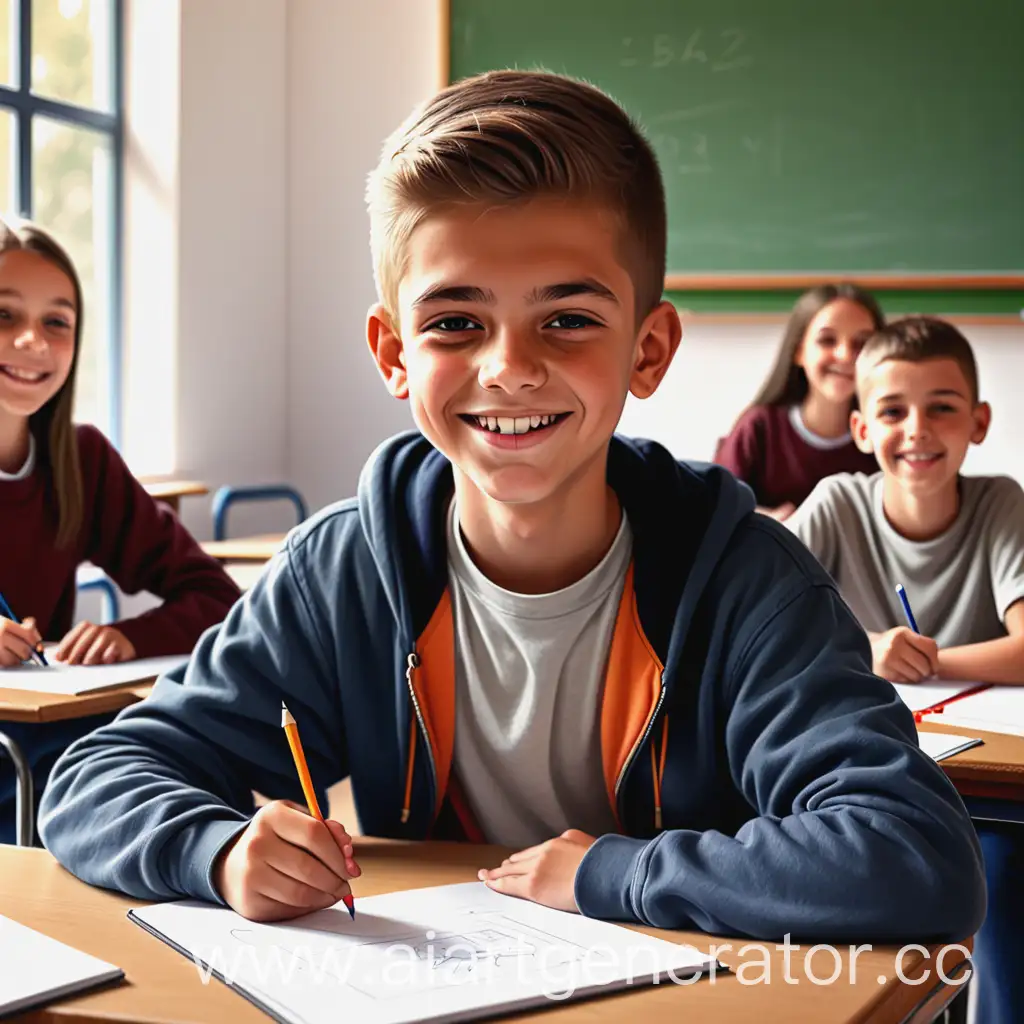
<point x="688" y="151"/>
<point x="723" y="50"/>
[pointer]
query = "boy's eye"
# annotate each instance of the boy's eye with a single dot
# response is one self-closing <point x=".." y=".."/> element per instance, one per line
<point x="453" y="325"/>
<point x="5" y="314"/>
<point x="890" y="412"/>
<point x="58" y="323"/>
<point x="571" y="322"/>
<point x="942" y="408"/>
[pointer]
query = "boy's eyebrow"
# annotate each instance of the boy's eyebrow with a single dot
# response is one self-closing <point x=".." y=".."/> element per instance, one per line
<point x="547" y="293"/>
<point x="456" y="293"/>
<point x="936" y="393"/>
<point x="570" y="289"/>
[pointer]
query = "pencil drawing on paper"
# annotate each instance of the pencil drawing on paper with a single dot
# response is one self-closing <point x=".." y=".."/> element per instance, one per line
<point x="414" y="963"/>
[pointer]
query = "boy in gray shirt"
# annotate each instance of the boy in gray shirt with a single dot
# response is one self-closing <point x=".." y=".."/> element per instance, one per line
<point x="957" y="545"/>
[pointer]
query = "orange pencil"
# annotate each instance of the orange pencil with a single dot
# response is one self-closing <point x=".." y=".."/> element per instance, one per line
<point x="291" y="730"/>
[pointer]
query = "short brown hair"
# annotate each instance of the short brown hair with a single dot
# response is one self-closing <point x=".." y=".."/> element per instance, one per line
<point x="916" y="339"/>
<point x="504" y="137"/>
<point x="51" y="425"/>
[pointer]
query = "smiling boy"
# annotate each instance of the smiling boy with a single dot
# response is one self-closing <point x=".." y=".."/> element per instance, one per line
<point x="525" y="630"/>
<point x="956" y="543"/>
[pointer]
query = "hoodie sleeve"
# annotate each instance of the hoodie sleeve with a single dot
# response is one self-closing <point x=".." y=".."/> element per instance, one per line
<point x="143" y="805"/>
<point x="858" y="834"/>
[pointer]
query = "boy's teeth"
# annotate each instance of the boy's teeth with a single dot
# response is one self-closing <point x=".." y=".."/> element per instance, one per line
<point x="513" y="424"/>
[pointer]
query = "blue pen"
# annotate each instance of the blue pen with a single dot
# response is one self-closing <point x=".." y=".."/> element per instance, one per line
<point x="5" y="609"/>
<point x="906" y="607"/>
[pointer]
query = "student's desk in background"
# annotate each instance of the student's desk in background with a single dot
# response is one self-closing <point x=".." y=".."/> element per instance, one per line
<point x="27" y="706"/>
<point x="172" y="491"/>
<point x="163" y="987"/>
<point x="245" y="549"/>
<point x="993" y="771"/>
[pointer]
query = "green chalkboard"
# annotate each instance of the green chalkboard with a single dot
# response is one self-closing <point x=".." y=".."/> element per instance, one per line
<point x="841" y="137"/>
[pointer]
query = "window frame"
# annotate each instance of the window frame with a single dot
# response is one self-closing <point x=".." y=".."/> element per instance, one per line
<point x="25" y="105"/>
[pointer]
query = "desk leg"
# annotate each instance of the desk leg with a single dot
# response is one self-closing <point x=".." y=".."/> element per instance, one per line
<point x="25" y="794"/>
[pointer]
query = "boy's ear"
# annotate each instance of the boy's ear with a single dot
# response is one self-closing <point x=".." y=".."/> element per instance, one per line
<point x="387" y="350"/>
<point x="859" y="431"/>
<point x="982" y="416"/>
<point x="657" y="341"/>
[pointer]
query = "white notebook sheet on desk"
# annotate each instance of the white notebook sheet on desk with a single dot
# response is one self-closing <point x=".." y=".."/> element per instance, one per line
<point x="75" y="679"/>
<point x="35" y="969"/>
<point x="997" y="709"/>
<point x="940" y="745"/>
<point x="918" y="696"/>
<point x="447" y="953"/>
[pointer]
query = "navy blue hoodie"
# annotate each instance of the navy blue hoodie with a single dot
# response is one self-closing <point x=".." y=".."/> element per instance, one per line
<point x="793" y="797"/>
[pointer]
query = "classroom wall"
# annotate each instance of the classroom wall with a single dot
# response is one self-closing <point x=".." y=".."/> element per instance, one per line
<point x="207" y="247"/>
<point x="337" y="408"/>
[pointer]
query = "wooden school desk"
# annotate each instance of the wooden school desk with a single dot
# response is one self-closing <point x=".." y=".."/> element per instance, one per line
<point x="163" y="987"/>
<point x="172" y="491"/>
<point x="27" y="706"/>
<point x="994" y="771"/>
<point x="245" y="549"/>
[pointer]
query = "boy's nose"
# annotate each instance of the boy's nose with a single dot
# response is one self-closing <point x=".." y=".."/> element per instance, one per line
<point x="511" y="363"/>
<point x="916" y="423"/>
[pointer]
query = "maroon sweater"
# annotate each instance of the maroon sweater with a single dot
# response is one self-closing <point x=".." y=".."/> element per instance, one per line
<point x="765" y="451"/>
<point x="139" y="543"/>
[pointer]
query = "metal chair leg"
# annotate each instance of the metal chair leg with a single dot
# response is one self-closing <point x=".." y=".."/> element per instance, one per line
<point x="24" y="794"/>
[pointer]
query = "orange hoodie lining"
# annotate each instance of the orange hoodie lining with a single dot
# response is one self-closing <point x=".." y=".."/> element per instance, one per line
<point x="632" y="688"/>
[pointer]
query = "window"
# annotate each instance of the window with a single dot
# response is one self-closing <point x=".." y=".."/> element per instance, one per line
<point x="60" y="162"/>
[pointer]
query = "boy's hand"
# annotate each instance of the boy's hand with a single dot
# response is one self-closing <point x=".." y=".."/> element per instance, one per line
<point x="17" y="641"/>
<point x="89" y="644"/>
<point x="544" y="874"/>
<point x="903" y="656"/>
<point x="285" y="863"/>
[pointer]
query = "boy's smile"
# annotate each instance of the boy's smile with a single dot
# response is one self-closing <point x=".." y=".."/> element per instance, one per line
<point x="919" y="418"/>
<point x="519" y="342"/>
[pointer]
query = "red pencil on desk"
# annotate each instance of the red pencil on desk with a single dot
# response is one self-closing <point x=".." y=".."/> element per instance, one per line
<point x="291" y="730"/>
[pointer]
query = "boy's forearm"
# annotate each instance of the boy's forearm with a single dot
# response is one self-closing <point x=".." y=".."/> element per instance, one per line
<point x="994" y="661"/>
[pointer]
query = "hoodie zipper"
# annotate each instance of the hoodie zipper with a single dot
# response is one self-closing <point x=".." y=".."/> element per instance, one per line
<point x="413" y="663"/>
<point x="636" y="748"/>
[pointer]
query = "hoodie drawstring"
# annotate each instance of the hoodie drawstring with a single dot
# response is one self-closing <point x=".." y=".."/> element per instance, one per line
<point x="412" y="662"/>
<point x="658" y="771"/>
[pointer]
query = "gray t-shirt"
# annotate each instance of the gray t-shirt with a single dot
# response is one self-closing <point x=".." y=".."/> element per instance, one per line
<point x="959" y="584"/>
<point x="529" y="677"/>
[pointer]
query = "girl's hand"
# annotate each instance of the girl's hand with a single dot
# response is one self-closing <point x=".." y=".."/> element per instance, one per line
<point x="780" y="512"/>
<point x="18" y="641"/>
<point x="89" y="644"/>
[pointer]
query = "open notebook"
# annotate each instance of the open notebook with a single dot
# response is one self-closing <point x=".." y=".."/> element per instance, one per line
<point x="75" y="679"/>
<point x="448" y="953"/>
<point x="35" y="969"/>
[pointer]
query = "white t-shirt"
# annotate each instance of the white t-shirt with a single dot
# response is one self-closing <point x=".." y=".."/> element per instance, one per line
<point x="959" y="584"/>
<point x="529" y="672"/>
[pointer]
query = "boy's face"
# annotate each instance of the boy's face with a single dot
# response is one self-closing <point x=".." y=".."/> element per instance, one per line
<point x="518" y="343"/>
<point x="918" y="418"/>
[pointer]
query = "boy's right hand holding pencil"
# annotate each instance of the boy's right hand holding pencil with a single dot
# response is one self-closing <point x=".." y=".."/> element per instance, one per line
<point x="285" y="863"/>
